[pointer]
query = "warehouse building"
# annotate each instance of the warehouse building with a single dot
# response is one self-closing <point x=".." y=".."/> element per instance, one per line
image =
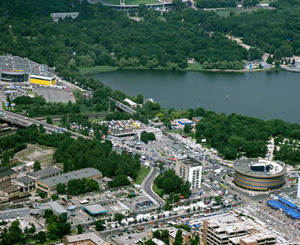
<point x="95" y="209"/>
<point x="24" y="184"/>
<point x="259" y="174"/>
<point x="58" y="209"/>
<point x="49" y="185"/>
<point x="189" y="170"/>
<point x="14" y="69"/>
<point x="14" y="213"/>
<point x="45" y="173"/>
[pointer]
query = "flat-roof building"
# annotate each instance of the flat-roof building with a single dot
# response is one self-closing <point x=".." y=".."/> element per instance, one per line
<point x="189" y="170"/>
<point x="45" y="173"/>
<point x="234" y="230"/>
<point x="48" y="185"/>
<point x="14" y="213"/>
<point x="22" y="70"/>
<point x="90" y="238"/>
<point x="24" y="183"/>
<point x="95" y="209"/>
<point x="58" y="209"/>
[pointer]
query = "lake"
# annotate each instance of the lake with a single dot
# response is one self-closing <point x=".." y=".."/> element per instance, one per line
<point x="264" y="95"/>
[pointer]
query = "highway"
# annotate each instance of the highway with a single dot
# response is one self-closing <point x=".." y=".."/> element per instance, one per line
<point x="148" y="183"/>
<point x="23" y="121"/>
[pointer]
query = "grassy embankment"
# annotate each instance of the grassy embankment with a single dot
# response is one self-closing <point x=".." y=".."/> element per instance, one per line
<point x="143" y="172"/>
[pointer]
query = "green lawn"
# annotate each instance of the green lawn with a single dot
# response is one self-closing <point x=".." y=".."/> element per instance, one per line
<point x="143" y="172"/>
<point x="131" y="2"/>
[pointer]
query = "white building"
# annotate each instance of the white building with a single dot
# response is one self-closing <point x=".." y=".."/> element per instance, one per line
<point x="190" y="170"/>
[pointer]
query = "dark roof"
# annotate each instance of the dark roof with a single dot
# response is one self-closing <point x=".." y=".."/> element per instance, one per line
<point x="4" y="171"/>
<point x="45" y="173"/>
<point x="25" y="180"/>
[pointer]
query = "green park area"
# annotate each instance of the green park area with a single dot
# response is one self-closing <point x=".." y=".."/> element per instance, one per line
<point x="142" y="174"/>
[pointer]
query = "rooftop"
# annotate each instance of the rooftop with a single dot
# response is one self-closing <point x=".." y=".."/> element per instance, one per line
<point x="46" y="172"/>
<point x="16" y="63"/>
<point x="57" y="207"/>
<point x="95" y="209"/>
<point x="64" y="178"/>
<point x="4" y="171"/>
<point x="24" y="180"/>
<point x="92" y="236"/>
<point x="244" y="166"/>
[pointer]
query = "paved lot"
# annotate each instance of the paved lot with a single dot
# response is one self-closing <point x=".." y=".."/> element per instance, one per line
<point x="55" y="95"/>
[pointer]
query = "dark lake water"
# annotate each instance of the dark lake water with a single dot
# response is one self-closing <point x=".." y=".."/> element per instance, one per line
<point x="264" y="95"/>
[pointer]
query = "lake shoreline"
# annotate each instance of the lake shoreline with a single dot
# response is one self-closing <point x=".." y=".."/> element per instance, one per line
<point x="104" y="69"/>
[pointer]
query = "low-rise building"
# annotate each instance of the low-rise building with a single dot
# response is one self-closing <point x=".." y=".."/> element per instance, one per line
<point x="45" y="173"/>
<point x="189" y="170"/>
<point x="58" y="209"/>
<point x="24" y="183"/>
<point x="14" y="213"/>
<point x="7" y="174"/>
<point x="234" y="230"/>
<point x="90" y="238"/>
<point x="49" y="185"/>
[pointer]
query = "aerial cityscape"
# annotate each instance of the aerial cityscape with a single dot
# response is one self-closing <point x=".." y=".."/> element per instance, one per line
<point x="150" y="122"/>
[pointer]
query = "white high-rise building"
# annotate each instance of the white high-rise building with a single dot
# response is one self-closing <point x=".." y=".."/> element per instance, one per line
<point x="190" y="170"/>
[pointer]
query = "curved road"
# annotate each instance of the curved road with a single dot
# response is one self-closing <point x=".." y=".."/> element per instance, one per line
<point x="147" y="186"/>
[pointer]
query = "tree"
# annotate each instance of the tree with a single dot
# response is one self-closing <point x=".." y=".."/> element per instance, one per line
<point x="49" y="120"/>
<point x="54" y="197"/>
<point x="36" y="166"/>
<point x="118" y="217"/>
<point x="187" y="128"/>
<point x="151" y="137"/>
<point x="178" y="237"/>
<point x="61" y="188"/>
<point x="41" y="237"/>
<point x="144" y="137"/>
<point x="140" y="99"/>
<point x="79" y="229"/>
<point x="99" y="225"/>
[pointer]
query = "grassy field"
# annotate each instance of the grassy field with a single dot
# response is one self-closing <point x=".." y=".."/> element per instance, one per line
<point x="40" y="153"/>
<point x="97" y="69"/>
<point x="143" y="172"/>
<point x="131" y="2"/>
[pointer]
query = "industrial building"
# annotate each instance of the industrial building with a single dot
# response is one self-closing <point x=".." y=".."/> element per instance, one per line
<point x="259" y="174"/>
<point x="189" y="170"/>
<point x="49" y="185"/>
<point x="90" y="238"/>
<point x="234" y="230"/>
<point x="45" y="173"/>
<point x="58" y="209"/>
<point x="14" y="213"/>
<point x="14" y="69"/>
<point x="24" y="183"/>
<point x="95" y="209"/>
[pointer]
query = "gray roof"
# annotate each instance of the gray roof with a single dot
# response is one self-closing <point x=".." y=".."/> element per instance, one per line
<point x="64" y="178"/>
<point x="45" y="173"/>
<point x="10" y="62"/>
<point x="95" y="209"/>
<point x="25" y="180"/>
<point x="56" y="207"/>
<point x="4" y="171"/>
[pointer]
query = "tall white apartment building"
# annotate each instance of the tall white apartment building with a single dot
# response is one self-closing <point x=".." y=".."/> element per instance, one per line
<point x="190" y="170"/>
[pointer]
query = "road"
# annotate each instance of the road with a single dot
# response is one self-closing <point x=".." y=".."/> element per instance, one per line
<point x="148" y="184"/>
<point x="23" y="121"/>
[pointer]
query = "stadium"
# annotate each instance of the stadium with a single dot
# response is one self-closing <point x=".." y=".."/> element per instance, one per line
<point x="258" y="174"/>
<point x="14" y="69"/>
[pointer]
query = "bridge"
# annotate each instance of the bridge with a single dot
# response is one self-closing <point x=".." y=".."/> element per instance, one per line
<point x="22" y="121"/>
<point x="123" y="107"/>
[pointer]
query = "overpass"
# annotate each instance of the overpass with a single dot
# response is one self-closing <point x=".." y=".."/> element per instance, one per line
<point x="123" y="107"/>
<point x="22" y="121"/>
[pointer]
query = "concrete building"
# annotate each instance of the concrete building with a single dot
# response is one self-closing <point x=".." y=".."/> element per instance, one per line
<point x="45" y="173"/>
<point x="14" y="213"/>
<point x="7" y="174"/>
<point x="95" y="209"/>
<point x="24" y="183"/>
<point x="58" y="209"/>
<point x="22" y="70"/>
<point x="234" y="230"/>
<point x="57" y="16"/>
<point x="90" y="238"/>
<point x="259" y="174"/>
<point x="189" y="170"/>
<point x="49" y="185"/>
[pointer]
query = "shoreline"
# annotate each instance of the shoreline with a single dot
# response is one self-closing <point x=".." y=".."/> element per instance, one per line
<point x="104" y="69"/>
